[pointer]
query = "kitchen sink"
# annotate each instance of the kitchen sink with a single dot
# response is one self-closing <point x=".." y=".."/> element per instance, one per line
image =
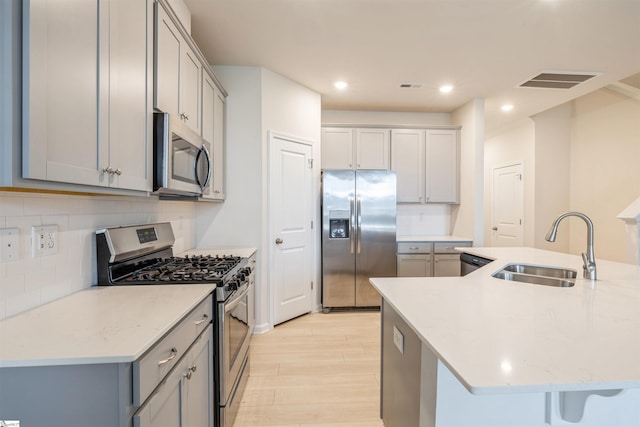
<point x="537" y="275"/>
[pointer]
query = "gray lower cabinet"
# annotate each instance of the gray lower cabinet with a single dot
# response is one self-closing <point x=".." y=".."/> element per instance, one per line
<point x="185" y="396"/>
<point x="401" y="364"/>
<point x="429" y="259"/>
<point x="170" y="385"/>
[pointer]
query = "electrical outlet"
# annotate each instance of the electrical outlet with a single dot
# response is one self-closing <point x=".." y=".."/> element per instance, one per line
<point x="9" y="244"/>
<point x="44" y="240"/>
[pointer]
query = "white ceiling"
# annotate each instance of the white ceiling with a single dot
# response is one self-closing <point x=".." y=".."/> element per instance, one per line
<point x="485" y="48"/>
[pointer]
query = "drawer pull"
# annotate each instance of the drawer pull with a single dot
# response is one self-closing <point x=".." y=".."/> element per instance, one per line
<point x="174" y="353"/>
<point x="204" y="319"/>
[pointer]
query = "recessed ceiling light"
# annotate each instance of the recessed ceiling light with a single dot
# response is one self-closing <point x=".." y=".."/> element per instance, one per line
<point x="341" y="85"/>
<point x="446" y="88"/>
<point x="507" y="107"/>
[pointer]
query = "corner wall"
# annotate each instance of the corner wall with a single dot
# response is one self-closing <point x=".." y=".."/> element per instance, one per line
<point x="467" y="218"/>
<point x="552" y="167"/>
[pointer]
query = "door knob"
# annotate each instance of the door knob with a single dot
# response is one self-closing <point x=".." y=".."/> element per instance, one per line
<point x="279" y="241"/>
<point x="494" y="228"/>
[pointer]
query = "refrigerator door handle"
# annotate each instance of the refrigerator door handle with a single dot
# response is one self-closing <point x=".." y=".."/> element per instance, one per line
<point x="359" y="223"/>
<point x="351" y="224"/>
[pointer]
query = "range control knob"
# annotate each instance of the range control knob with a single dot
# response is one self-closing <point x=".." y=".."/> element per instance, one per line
<point x="233" y="285"/>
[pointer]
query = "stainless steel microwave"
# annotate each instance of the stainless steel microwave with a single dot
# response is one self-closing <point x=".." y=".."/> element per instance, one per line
<point x="181" y="161"/>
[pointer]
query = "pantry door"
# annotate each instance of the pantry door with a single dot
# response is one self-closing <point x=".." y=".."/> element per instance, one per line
<point x="507" y="225"/>
<point x="291" y="208"/>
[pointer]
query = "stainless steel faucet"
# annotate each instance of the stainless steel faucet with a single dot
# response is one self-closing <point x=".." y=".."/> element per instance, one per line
<point x="588" y="257"/>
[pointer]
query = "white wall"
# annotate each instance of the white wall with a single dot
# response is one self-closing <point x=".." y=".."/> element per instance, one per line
<point x="552" y="166"/>
<point x="467" y="218"/>
<point x="259" y="100"/>
<point x="605" y="169"/>
<point x="514" y="145"/>
<point x="29" y="282"/>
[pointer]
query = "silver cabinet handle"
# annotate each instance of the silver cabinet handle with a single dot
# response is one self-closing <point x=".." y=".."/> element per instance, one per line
<point x="174" y="353"/>
<point x="204" y="319"/>
<point x="112" y="171"/>
<point x="190" y="372"/>
<point x="279" y="241"/>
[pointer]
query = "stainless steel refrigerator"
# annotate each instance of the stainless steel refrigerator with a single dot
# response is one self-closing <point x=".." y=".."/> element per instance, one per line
<point x="358" y="235"/>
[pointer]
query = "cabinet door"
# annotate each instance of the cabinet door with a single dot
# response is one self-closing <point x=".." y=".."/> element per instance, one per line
<point x="372" y="148"/>
<point x="199" y="382"/>
<point x="337" y="148"/>
<point x="167" y="64"/>
<point x="130" y="85"/>
<point x="190" y="87"/>
<point x="219" y="141"/>
<point x="407" y="159"/>
<point x="441" y="171"/>
<point x="208" y="101"/>
<point x="414" y="265"/>
<point x="63" y="93"/>
<point x="164" y="407"/>
<point x="446" y="265"/>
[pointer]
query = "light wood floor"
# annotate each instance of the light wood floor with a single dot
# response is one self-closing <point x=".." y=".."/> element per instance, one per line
<point x="319" y="370"/>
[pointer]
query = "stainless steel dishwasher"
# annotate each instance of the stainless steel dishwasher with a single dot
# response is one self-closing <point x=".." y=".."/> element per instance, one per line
<point x="469" y="263"/>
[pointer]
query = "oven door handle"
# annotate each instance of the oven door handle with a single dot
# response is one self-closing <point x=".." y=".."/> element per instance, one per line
<point x="236" y="301"/>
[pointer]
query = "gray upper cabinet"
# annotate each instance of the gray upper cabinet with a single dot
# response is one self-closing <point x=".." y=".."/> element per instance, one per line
<point x="178" y="73"/>
<point x="427" y="165"/>
<point x="355" y="148"/>
<point x="186" y="87"/>
<point x="86" y="92"/>
<point x="337" y="148"/>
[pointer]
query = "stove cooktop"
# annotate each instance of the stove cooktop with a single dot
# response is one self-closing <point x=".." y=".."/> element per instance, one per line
<point x="194" y="269"/>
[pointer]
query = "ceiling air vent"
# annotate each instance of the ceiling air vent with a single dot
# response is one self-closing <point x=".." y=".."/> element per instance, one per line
<point x="558" y="80"/>
<point x="411" y="85"/>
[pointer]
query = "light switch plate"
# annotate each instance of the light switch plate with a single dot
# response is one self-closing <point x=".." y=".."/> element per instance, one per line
<point x="44" y="240"/>
<point x="9" y="244"/>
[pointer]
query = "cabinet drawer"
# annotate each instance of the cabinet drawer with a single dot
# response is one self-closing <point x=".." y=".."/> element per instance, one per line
<point x="448" y="247"/>
<point x="415" y="247"/>
<point x="152" y="367"/>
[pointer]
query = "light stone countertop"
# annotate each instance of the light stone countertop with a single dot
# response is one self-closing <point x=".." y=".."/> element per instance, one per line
<point x="101" y="324"/>
<point x="498" y="336"/>
<point x="427" y="238"/>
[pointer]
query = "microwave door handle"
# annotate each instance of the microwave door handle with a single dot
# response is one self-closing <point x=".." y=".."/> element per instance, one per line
<point x="208" y="160"/>
<point x="199" y="181"/>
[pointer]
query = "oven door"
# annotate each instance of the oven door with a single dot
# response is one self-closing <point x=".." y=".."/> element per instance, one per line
<point x="182" y="163"/>
<point x="234" y="346"/>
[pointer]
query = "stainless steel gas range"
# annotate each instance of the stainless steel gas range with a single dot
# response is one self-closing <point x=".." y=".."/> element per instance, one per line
<point x="143" y="255"/>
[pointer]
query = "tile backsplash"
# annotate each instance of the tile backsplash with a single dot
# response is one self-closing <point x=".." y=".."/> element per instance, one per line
<point x="28" y="282"/>
<point x="423" y="220"/>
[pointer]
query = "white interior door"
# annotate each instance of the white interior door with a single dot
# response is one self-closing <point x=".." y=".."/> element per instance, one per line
<point x="507" y="226"/>
<point x="291" y="212"/>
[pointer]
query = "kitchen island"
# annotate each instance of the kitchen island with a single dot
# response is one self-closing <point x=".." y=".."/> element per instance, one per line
<point x="478" y="350"/>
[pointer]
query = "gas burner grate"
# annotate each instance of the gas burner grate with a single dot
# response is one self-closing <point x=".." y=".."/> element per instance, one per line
<point x="201" y="268"/>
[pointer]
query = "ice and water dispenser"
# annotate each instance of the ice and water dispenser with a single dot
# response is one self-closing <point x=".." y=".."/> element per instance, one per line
<point x="339" y="224"/>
